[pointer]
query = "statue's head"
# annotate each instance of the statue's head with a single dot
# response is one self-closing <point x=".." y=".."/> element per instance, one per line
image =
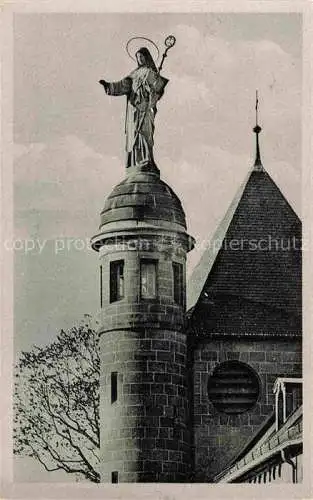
<point x="144" y="58"/>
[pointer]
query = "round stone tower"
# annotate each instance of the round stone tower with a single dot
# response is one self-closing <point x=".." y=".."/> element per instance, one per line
<point x="142" y="243"/>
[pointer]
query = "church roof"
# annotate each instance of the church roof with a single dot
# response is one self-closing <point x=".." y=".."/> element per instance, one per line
<point x="259" y="260"/>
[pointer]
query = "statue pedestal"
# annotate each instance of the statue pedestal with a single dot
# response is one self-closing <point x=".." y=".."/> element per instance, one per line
<point x="144" y="167"/>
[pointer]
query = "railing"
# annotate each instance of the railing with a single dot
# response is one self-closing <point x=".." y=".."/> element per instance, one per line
<point x="288" y="396"/>
<point x="284" y="433"/>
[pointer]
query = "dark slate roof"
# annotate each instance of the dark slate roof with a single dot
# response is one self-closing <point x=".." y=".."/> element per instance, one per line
<point x="253" y="263"/>
<point x="229" y="315"/>
<point x="143" y="196"/>
<point x="200" y="272"/>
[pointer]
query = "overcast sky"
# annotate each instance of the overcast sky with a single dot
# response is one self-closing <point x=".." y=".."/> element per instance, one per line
<point x="69" y="139"/>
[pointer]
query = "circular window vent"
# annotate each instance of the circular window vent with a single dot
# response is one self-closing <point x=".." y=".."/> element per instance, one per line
<point x="233" y="387"/>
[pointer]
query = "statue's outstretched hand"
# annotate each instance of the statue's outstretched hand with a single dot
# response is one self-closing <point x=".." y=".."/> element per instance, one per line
<point x="104" y="83"/>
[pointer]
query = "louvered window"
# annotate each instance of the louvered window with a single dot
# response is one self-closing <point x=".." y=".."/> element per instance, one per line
<point x="233" y="387"/>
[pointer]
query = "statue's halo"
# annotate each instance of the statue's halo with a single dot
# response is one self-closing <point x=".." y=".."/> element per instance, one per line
<point x="135" y="43"/>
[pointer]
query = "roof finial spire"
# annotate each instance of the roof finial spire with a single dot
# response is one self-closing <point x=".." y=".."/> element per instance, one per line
<point x="257" y="129"/>
<point x="256" y="107"/>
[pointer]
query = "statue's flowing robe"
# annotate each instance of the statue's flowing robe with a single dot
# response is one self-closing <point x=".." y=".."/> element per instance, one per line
<point x="143" y="87"/>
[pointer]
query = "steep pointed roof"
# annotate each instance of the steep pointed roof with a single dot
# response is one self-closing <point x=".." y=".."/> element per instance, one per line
<point x="202" y="269"/>
<point x="259" y="259"/>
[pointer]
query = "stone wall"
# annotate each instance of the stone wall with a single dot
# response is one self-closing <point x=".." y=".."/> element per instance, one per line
<point x="132" y="311"/>
<point x="144" y="434"/>
<point x="219" y="437"/>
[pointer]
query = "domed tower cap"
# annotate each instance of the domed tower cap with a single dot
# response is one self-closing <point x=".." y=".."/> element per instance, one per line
<point x="143" y="196"/>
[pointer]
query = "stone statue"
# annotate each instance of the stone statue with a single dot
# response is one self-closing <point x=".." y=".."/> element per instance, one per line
<point x="143" y="87"/>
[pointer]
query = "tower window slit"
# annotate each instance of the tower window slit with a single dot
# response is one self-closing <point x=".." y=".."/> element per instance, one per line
<point x="178" y="284"/>
<point x="113" y="387"/>
<point x="101" y="288"/>
<point x="114" y="477"/>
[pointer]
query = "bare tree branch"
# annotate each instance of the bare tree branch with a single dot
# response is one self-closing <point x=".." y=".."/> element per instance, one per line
<point x="56" y="403"/>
